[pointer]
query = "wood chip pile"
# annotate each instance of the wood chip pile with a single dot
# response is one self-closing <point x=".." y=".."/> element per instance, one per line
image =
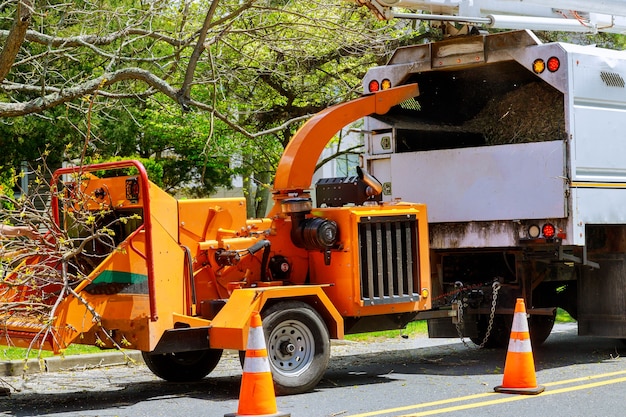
<point x="531" y="113"/>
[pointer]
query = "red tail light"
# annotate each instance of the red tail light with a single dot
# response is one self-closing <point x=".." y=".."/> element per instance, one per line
<point x="374" y="86"/>
<point x="548" y="231"/>
<point x="554" y="64"/>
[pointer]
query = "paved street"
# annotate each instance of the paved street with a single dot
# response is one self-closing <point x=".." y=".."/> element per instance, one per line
<point x="398" y="377"/>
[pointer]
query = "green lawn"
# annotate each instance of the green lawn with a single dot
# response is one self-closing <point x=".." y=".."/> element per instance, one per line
<point x="421" y="328"/>
<point x="412" y="329"/>
<point x="563" y="317"/>
<point x="13" y="353"/>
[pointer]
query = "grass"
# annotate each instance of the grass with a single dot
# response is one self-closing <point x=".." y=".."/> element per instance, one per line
<point x="563" y="317"/>
<point x="14" y="353"/>
<point x="420" y="328"/>
<point x="412" y="329"/>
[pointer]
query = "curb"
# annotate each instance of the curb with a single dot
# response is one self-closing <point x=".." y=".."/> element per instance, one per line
<point x="69" y="363"/>
<point x="20" y="367"/>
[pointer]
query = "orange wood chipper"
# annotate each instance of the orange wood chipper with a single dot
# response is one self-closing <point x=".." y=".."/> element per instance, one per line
<point x="184" y="276"/>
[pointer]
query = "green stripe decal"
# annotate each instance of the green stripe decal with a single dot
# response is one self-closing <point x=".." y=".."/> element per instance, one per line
<point x="119" y="277"/>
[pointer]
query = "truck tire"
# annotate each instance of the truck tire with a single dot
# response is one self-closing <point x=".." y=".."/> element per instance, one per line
<point x="540" y="328"/>
<point x="499" y="335"/>
<point x="182" y="366"/>
<point x="298" y="346"/>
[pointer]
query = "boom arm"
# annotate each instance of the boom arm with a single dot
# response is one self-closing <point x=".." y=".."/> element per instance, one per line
<point x="297" y="165"/>
<point x="551" y="15"/>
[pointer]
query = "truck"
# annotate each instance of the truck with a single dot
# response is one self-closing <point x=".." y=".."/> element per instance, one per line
<point x="127" y="265"/>
<point x="516" y="147"/>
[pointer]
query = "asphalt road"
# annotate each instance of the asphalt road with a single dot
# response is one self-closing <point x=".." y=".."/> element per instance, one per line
<point x="400" y="377"/>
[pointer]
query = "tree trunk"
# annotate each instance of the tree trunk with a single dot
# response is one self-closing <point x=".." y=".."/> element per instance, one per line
<point x="16" y="37"/>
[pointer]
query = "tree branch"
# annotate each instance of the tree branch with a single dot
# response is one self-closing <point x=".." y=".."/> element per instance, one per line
<point x="82" y="40"/>
<point x="15" y="37"/>
<point x="183" y="93"/>
<point x="354" y="150"/>
<point x="48" y="101"/>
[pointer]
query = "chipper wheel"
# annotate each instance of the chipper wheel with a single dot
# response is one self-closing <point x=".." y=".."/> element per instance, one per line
<point x="298" y="346"/>
<point x="183" y="366"/>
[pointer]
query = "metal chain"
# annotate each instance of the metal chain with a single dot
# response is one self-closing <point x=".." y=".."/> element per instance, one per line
<point x="459" y="323"/>
<point x="459" y="288"/>
<point x="494" y="299"/>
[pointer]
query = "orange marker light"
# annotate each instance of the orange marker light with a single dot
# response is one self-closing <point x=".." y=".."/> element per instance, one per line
<point x="539" y="66"/>
<point x="386" y="84"/>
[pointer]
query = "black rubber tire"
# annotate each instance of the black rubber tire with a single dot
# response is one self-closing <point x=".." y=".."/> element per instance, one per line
<point x="298" y="346"/>
<point x="540" y="328"/>
<point x="182" y="366"/>
<point x="499" y="335"/>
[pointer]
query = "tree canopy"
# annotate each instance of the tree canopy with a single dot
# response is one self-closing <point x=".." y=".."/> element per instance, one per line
<point x="205" y="89"/>
<point x="191" y="84"/>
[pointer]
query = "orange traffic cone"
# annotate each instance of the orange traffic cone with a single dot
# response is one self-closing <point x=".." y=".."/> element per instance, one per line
<point x="519" y="368"/>
<point x="257" y="397"/>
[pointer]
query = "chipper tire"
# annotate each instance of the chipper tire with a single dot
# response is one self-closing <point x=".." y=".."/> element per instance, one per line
<point x="298" y="346"/>
<point x="183" y="366"/>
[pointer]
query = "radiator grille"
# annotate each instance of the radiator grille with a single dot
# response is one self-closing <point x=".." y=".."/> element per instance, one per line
<point x="389" y="260"/>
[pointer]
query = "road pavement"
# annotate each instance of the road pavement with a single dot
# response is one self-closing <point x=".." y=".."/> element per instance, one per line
<point x="385" y="378"/>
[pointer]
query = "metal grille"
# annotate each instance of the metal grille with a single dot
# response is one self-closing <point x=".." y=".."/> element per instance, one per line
<point x="389" y="259"/>
<point x="411" y="104"/>
<point x="612" y="79"/>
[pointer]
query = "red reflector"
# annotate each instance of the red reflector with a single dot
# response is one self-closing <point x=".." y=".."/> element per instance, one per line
<point x="374" y="86"/>
<point x="548" y="231"/>
<point x="553" y="64"/>
<point x="132" y="189"/>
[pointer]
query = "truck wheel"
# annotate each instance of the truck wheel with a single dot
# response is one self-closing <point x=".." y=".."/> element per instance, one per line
<point x="182" y="366"/>
<point x="298" y="346"/>
<point x="540" y="328"/>
<point x="499" y="335"/>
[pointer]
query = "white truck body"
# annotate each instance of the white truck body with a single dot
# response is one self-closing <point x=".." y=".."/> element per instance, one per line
<point x="578" y="179"/>
<point x="493" y="169"/>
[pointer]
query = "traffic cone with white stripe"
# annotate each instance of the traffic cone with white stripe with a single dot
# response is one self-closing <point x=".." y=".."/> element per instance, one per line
<point x="257" y="396"/>
<point x="519" y="368"/>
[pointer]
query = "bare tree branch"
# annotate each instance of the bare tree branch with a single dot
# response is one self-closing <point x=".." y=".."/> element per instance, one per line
<point x="354" y="150"/>
<point x="48" y="101"/>
<point x="183" y="93"/>
<point x="94" y="40"/>
<point x="15" y="37"/>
